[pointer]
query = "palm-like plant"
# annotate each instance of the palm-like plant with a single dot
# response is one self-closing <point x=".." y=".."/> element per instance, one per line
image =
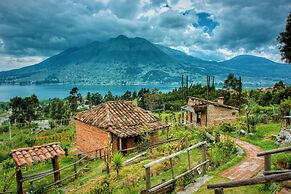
<point x="117" y="162"/>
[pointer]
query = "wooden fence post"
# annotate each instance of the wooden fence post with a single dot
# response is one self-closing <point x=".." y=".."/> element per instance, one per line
<point x="56" y="167"/>
<point x="96" y="153"/>
<point x="75" y="170"/>
<point x="218" y="191"/>
<point x="203" y="152"/>
<point x="268" y="162"/>
<point x="172" y="168"/>
<point x="189" y="163"/>
<point x="18" y="180"/>
<point x="148" y="179"/>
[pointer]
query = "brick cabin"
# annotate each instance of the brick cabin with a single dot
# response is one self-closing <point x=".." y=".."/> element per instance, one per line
<point x="203" y="113"/>
<point x="116" y="122"/>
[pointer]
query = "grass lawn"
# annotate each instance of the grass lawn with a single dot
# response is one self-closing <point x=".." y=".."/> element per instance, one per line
<point x="130" y="175"/>
<point x="253" y="189"/>
<point x="264" y="136"/>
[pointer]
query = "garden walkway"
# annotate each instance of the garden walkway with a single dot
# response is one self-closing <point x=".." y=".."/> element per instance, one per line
<point x="249" y="166"/>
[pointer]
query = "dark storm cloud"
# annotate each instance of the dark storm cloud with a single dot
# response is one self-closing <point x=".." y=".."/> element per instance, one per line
<point x="250" y="24"/>
<point x="171" y="19"/>
<point x="43" y="28"/>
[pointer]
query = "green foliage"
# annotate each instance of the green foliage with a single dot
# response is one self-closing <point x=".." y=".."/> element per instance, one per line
<point x="253" y="121"/>
<point x="285" y="106"/>
<point x="59" y="109"/>
<point x="117" y="162"/>
<point x="94" y="99"/>
<point x="144" y="138"/>
<point x="74" y="99"/>
<point x="109" y="97"/>
<point x="226" y="127"/>
<point x="232" y="82"/>
<point x="4" y="128"/>
<point x="285" y="41"/>
<point x="182" y="182"/>
<point x="24" y="110"/>
<point x="102" y="187"/>
<point x="275" y="96"/>
<point x="222" y="152"/>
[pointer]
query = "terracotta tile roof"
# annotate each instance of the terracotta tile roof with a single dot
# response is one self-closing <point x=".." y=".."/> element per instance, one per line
<point x="199" y="101"/>
<point x="121" y="118"/>
<point x="29" y="155"/>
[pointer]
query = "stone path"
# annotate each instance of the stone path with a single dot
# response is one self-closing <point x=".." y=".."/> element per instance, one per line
<point x="191" y="188"/>
<point x="285" y="191"/>
<point x="249" y="167"/>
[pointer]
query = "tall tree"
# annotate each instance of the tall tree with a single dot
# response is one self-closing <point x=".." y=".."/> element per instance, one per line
<point x="59" y="109"/>
<point x="285" y="40"/>
<point x="109" y="97"/>
<point x="24" y="110"/>
<point x="96" y="99"/>
<point x="74" y="99"/>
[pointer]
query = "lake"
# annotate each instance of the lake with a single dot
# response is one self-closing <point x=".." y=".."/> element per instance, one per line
<point x="62" y="90"/>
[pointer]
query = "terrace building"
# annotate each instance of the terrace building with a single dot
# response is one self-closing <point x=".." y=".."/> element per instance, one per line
<point x="115" y="122"/>
<point x="203" y="113"/>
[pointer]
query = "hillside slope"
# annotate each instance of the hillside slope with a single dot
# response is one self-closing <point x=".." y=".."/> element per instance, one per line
<point x="136" y="60"/>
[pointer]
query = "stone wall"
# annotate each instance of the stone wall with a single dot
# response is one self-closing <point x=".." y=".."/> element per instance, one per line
<point x="217" y="114"/>
<point x="89" y="138"/>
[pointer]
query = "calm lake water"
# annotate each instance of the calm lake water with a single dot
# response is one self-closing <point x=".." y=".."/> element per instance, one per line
<point x="62" y="91"/>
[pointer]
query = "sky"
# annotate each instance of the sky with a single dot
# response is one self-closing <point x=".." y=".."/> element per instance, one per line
<point x="33" y="30"/>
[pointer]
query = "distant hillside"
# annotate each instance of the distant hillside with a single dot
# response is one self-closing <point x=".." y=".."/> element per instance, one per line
<point x="136" y="60"/>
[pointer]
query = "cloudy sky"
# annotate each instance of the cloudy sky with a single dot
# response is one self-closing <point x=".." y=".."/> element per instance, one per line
<point x="32" y="30"/>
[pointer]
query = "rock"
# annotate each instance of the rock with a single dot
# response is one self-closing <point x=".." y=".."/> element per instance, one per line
<point x="284" y="137"/>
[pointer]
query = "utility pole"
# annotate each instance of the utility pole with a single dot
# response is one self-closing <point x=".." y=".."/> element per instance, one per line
<point x="239" y="93"/>
<point x="10" y="136"/>
<point x="182" y="88"/>
<point x="207" y="85"/>
<point x="187" y="86"/>
<point x="213" y="86"/>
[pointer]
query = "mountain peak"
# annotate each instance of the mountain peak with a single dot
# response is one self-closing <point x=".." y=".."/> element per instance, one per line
<point x="121" y="37"/>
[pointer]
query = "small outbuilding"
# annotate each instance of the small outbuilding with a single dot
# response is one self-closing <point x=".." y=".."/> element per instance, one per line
<point x="203" y="113"/>
<point x="30" y="155"/>
<point x="118" y="123"/>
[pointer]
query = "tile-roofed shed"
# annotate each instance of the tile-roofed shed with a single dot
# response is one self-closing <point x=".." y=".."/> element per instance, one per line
<point x="121" y="118"/>
<point x="29" y="155"/>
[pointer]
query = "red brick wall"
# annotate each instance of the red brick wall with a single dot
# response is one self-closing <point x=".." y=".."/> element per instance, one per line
<point x="89" y="138"/>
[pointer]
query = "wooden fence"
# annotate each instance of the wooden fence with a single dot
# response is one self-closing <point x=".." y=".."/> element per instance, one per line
<point x="156" y="188"/>
<point x="270" y="175"/>
<point x="77" y="167"/>
<point x="124" y="151"/>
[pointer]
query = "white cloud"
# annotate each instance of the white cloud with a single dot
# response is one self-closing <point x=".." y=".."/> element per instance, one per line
<point x="12" y="62"/>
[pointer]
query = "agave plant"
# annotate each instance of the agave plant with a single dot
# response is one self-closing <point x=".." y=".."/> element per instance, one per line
<point x="117" y="162"/>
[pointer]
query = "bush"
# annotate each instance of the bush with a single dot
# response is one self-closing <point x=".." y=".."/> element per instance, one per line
<point x="3" y="156"/>
<point x="102" y="187"/>
<point x="222" y="152"/>
<point x="226" y="127"/>
<point x="4" y="128"/>
<point x="182" y="182"/>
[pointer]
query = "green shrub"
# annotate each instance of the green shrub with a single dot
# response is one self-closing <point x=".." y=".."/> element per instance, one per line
<point x="182" y="182"/>
<point x="222" y="152"/>
<point x="3" y="156"/>
<point x="226" y="127"/>
<point x="102" y="187"/>
<point x="4" y="128"/>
